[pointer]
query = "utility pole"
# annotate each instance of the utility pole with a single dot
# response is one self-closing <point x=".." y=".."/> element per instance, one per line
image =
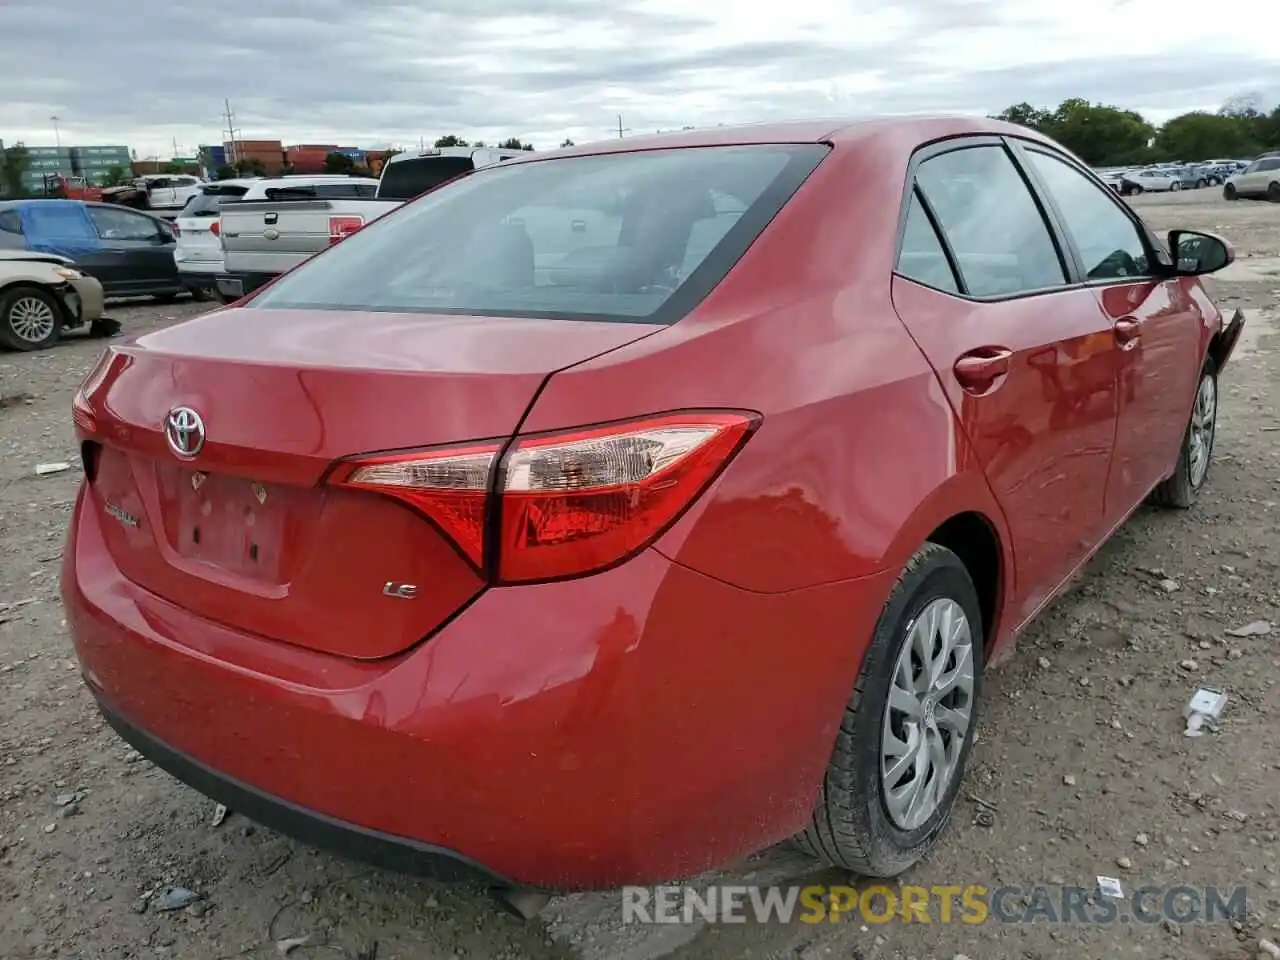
<point x="231" y="129"/>
<point x="620" y="129"/>
<point x="175" y="148"/>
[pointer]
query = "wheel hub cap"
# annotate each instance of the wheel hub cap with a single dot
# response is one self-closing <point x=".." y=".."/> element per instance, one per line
<point x="928" y="714"/>
<point x="1204" y="418"/>
<point x="31" y="319"/>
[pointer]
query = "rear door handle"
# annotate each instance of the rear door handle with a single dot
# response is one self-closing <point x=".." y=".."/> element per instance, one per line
<point x="1127" y="330"/>
<point x="978" y="370"/>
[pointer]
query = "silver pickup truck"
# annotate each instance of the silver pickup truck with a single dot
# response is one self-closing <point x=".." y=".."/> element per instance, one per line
<point x="283" y="221"/>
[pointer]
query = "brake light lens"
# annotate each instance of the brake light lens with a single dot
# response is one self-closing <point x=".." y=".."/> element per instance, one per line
<point x="177" y="230"/>
<point x="569" y="503"/>
<point x="215" y="227"/>
<point x="82" y="412"/>
<point x="340" y="227"/>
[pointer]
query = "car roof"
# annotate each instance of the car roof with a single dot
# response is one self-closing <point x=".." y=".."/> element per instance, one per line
<point x="431" y="153"/>
<point x="838" y="131"/>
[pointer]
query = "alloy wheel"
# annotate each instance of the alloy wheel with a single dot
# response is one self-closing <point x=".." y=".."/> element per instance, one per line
<point x="31" y="319"/>
<point x="928" y="714"/>
<point x="1204" y="422"/>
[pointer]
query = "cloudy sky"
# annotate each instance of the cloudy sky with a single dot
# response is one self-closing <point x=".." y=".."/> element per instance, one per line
<point x="379" y="72"/>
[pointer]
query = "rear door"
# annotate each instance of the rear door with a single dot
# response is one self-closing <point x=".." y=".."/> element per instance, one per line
<point x="1026" y="359"/>
<point x="137" y="255"/>
<point x="1155" y="320"/>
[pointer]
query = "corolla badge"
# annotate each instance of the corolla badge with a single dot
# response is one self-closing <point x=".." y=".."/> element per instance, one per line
<point x="184" y="430"/>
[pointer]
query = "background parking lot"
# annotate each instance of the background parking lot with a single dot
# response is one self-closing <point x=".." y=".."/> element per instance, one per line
<point x="1081" y="768"/>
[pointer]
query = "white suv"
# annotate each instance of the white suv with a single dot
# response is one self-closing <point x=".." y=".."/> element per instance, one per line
<point x="199" y="250"/>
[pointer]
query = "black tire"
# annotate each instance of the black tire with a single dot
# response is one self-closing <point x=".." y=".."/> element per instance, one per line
<point x="200" y="294"/>
<point x="1273" y="192"/>
<point x="851" y="826"/>
<point x="1201" y="184"/>
<point x="1176" y="185"/>
<point x="1181" y="489"/>
<point x="10" y="303"/>
<point x="1229" y="192"/>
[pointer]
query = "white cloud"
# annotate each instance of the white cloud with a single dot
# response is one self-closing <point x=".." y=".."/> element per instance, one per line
<point x="382" y="72"/>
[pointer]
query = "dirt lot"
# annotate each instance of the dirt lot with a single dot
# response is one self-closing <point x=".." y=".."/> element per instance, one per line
<point x="1081" y="764"/>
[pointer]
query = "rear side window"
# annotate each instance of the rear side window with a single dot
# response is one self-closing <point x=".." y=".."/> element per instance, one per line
<point x="406" y="179"/>
<point x="10" y="221"/>
<point x="207" y="202"/>
<point x="999" y="237"/>
<point x="1272" y="164"/>
<point x="627" y="237"/>
<point x="923" y="258"/>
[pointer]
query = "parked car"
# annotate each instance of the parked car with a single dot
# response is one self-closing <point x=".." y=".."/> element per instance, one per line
<point x="1150" y="181"/>
<point x="541" y="532"/>
<point x="198" y="252"/>
<point x="41" y="295"/>
<point x="277" y="226"/>
<point x="1261" y="179"/>
<point x="129" y="252"/>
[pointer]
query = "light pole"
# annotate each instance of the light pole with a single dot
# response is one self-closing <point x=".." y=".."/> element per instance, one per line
<point x="57" y="137"/>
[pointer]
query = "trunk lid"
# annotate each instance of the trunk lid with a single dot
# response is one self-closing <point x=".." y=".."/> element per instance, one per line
<point x="246" y="533"/>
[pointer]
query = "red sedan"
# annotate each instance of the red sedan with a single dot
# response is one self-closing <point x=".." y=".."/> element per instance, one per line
<point x="605" y="515"/>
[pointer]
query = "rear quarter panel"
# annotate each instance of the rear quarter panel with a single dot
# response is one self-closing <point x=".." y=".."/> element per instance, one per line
<point x="859" y="456"/>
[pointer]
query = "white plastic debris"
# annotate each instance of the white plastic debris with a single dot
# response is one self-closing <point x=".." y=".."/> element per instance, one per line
<point x="44" y="469"/>
<point x="1111" y="888"/>
<point x="1259" y="628"/>
<point x="1203" y="710"/>
<point x="219" y="814"/>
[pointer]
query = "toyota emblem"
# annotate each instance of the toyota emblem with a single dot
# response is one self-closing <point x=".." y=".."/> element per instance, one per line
<point x="184" y="430"/>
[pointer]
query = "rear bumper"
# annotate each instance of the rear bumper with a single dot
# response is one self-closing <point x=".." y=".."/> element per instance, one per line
<point x="641" y="724"/>
<point x="344" y="839"/>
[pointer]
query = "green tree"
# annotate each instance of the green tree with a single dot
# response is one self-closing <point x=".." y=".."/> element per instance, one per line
<point x="14" y="163"/>
<point x="225" y="171"/>
<point x="252" y="167"/>
<point x="288" y="170"/>
<point x="451" y="140"/>
<point x="115" y="176"/>
<point x="1204" y="136"/>
<point x="568" y="143"/>
<point x="1100" y="134"/>
<point x="1024" y="115"/>
<point x="338" y="163"/>
<point x="514" y="143"/>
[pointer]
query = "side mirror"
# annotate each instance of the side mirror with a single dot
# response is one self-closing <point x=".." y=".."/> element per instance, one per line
<point x="1196" y="253"/>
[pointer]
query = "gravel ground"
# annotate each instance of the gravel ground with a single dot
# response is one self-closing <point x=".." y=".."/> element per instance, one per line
<point x="1081" y="768"/>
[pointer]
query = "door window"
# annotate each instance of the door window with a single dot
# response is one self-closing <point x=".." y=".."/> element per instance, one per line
<point x="922" y="258"/>
<point x="122" y="225"/>
<point x="1001" y="241"/>
<point x="1110" y="244"/>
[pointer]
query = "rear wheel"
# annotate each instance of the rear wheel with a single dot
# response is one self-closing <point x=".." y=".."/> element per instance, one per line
<point x="1229" y="192"/>
<point x="1273" y="192"/>
<point x="1200" y="184"/>
<point x="903" y="743"/>
<point x="1176" y="185"/>
<point x="30" y="318"/>
<point x="1182" y="488"/>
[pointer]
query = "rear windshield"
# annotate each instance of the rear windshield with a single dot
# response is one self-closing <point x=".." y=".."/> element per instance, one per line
<point x="639" y="237"/>
<point x="322" y="191"/>
<point x="206" y="202"/>
<point x="406" y="179"/>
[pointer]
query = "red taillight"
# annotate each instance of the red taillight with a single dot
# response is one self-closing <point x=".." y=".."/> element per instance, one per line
<point x="215" y="228"/>
<point x="177" y="230"/>
<point x="340" y="227"/>
<point x="82" y="413"/>
<point x="572" y="502"/>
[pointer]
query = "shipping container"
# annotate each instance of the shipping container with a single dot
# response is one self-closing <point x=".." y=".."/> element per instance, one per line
<point x="54" y="152"/>
<point x="114" y="152"/>
<point x="327" y="147"/>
